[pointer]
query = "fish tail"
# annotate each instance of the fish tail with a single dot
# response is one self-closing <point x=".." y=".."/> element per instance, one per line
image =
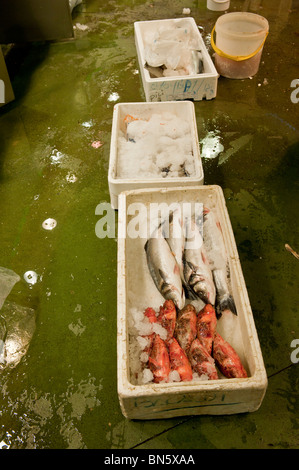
<point x="226" y="303"/>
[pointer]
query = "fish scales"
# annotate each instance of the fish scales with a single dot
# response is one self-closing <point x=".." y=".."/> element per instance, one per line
<point x="185" y="329"/>
<point x="201" y="361"/>
<point x="217" y="255"/>
<point x="159" y="362"/>
<point x="197" y="271"/>
<point x="164" y="269"/>
<point x="179" y="360"/>
<point x="227" y="359"/>
<point x="206" y="327"/>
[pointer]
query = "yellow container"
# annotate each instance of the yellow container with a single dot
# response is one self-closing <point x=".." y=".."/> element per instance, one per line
<point x="240" y="38"/>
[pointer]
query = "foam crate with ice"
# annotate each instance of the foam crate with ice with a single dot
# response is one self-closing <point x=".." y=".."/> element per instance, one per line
<point x="174" y="62"/>
<point x="153" y="145"/>
<point x="139" y="396"/>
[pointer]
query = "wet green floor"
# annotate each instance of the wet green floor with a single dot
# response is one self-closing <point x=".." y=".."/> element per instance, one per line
<point x="63" y="394"/>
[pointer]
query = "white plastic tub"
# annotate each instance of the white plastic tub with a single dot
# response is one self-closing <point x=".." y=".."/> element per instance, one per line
<point x="195" y="87"/>
<point x="136" y="289"/>
<point x="240" y="38"/>
<point x="218" y="5"/>
<point x="144" y="111"/>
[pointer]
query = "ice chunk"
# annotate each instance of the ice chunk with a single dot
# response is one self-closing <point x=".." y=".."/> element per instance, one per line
<point x="147" y="376"/>
<point x="158" y="146"/>
<point x="174" y="376"/>
<point x="175" y="49"/>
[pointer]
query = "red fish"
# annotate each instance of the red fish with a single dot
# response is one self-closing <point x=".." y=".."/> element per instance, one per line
<point x="185" y="329"/>
<point x="152" y="318"/>
<point x="201" y="361"/>
<point x="150" y="314"/>
<point x="227" y="359"/>
<point x="206" y="326"/>
<point x="167" y="317"/>
<point x="179" y="360"/>
<point x="158" y="361"/>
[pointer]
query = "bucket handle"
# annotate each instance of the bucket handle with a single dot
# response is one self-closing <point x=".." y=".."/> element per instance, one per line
<point x="237" y="58"/>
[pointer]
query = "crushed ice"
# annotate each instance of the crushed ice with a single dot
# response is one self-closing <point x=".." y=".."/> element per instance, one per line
<point x="159" y="146"/>
<point x="172" y="50"/>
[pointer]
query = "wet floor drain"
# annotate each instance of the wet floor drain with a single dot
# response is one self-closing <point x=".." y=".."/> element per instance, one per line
<point x="49" y="224"/>
<point x="31" y="277"/>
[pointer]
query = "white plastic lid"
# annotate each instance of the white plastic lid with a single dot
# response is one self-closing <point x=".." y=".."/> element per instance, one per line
<point x="218" y="5"/>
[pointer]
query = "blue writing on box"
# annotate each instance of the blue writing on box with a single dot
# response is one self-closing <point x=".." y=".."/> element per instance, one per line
<point x="182" y="89"/>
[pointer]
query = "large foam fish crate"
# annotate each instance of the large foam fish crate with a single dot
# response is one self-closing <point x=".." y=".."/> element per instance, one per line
<point x="136" y="290"/>
<point x="139" y="177"/>
<point x="196" y="87"/>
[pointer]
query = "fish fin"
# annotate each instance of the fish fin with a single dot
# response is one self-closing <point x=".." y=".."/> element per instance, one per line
<point x="189" y="292"/>
<point x="226" y="303"/>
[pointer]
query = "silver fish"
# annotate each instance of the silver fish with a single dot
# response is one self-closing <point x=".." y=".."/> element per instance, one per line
<point x="164" y="269"/>
<point x="217" y="255"/>
<point x="197" y="271"/>
<point x="174" y="234"/>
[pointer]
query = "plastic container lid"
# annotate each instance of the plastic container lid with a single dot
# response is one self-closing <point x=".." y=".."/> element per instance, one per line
<point x="218" y="5"/>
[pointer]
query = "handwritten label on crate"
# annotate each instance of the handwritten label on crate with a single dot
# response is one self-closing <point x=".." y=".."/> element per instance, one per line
<point x="182" y="89"/>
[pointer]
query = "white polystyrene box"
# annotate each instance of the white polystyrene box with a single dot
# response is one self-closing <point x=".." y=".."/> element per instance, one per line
<point x="144" y="110"/>
<point x="135" y="289"/>
<point x="195" y="87"/>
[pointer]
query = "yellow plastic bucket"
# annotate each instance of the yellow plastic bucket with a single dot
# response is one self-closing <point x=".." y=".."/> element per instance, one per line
<point x="240" y="39"/>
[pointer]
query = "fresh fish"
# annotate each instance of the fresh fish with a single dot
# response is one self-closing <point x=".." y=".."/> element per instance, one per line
<point x="167" y="317"/>
<point x="185" y="329"/>
<point x="217" y="255"/>
<point x="158" y="361"/>
<point x="201" y="361"/>
<point x="206" y="327"/>
<point x="173" y="232"/>
<point x="152" y="318"/>
<point x="179" y="360"/>
<point x="197" y="271"/>
<point x="150" y="314"/>
<point x="227" y="359"/>
<point x="164" y="269"/>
